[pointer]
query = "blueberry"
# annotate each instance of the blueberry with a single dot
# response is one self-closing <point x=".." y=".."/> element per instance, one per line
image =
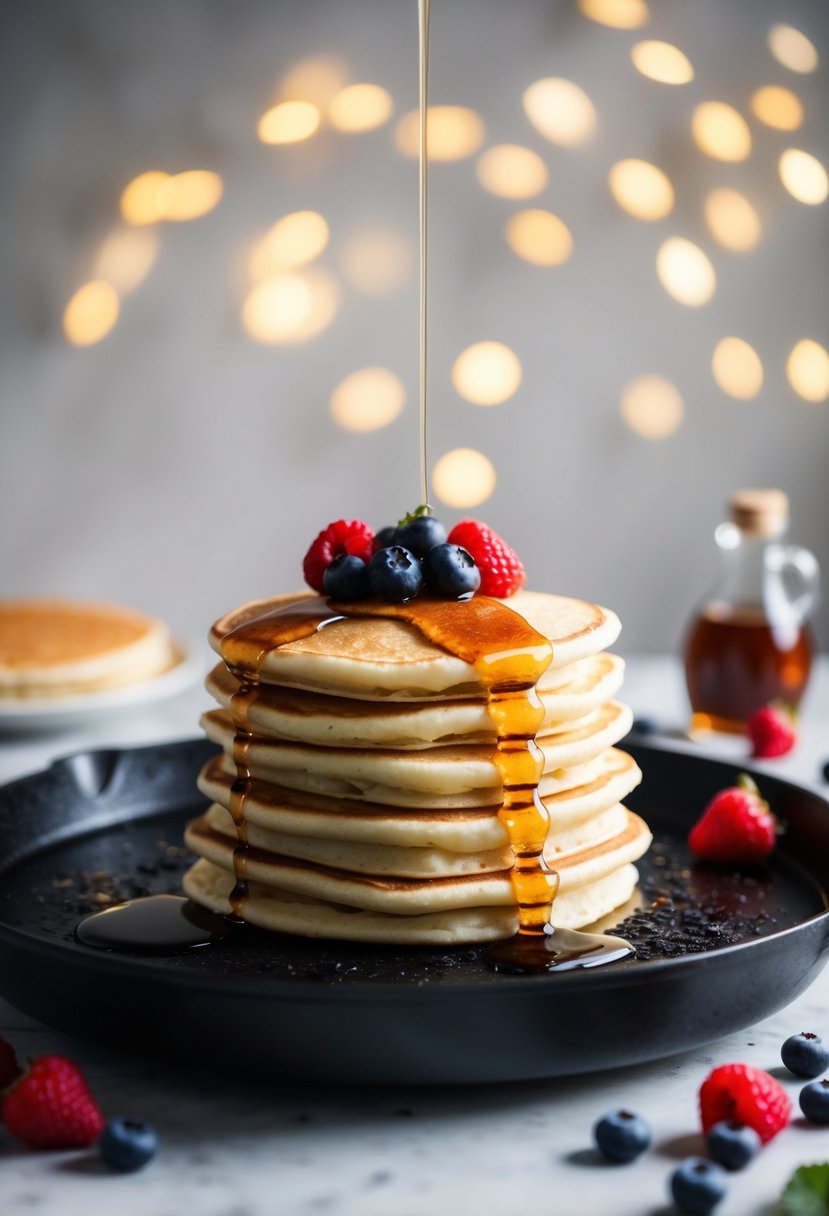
<point x="697" y="1186"/>
<point x="733" y="1144"/>
<point x="825" y="771"/>
<point x="395" y="574"/>
<point x="451" y="571"/>
<point x="805" y="1054"/>
<point x="346" y="578"/>
<point x="645" y="726"/>
<point x="127" y="1144"/>
<point x="383" y="538"/>
<point x="814" y="1101"/>
<point x="622" y="1135"/>
<point x="420" y="534"/>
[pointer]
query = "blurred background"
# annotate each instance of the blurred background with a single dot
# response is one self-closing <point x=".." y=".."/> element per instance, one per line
<point x="209" y="288"/>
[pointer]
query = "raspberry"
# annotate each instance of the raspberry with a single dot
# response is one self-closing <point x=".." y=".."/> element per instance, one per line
<point x="9" y="1067"/>
<point x="343" y="536"/>
<point x="771" y="730"/>
<point x="51" y="1106"/>
<point x="502" y="572"/>
<point x="736" y="826"/>
<point x="745" y="1095"/>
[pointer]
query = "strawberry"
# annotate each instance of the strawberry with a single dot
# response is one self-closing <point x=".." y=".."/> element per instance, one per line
<point x="772" y="730"/>
<point x="9" y="1067"/>
<point x="502" y="572"/>
<point x="745" y="1095"/>
<point x="737" y="825"/>
<point x="343" y="536"/>
<point x="50" y="1106"/>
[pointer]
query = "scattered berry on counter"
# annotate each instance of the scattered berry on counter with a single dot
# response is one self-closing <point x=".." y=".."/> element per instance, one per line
<point x="736" y="826"/>
<point x="395" y="574"/>
<point x="384" y="538"/>
<point x="732" y="1144"/>
<point x="420" y="532"/>
<point x="645" y="726"/>
<point x="814" y="1101"/>
<point x="825" y="771"/>
<point x="697" y="1186"/>
<point x="622" y="1135"/>
<point x="9" y="1067"/>
<point x="745" y="1095"/>
<point x="805" y="1054"/>
<point x="51" y="1106"/>
<point x="450" y="571"/>
<point x="127" y="1144"/>
<point x="502" y="572"/>
<point x="343" y="536"/>
<point x="346" y="578"/>
<point x="772" y="730"/>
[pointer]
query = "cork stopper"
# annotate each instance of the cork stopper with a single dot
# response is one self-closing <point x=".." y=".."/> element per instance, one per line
<point x="763" y="513"/>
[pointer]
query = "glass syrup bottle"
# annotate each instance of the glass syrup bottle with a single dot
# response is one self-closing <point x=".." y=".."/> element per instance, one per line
<point x="750" y="642"/>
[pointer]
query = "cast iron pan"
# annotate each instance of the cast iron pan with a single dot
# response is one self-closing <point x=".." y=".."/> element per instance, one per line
<point x="107" y="825"/>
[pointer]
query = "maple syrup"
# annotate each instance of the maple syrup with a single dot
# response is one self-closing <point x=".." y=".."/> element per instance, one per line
<point x="750" y="643"/>
<point x="152" y="924"/>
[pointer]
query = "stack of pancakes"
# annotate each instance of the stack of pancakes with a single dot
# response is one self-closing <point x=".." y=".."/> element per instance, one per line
<point x="371" y="794"/>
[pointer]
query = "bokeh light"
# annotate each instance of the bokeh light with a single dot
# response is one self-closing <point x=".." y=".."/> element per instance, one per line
<point x="685" y="272"/>
<point x="291" y="307"/>
<point x="720" y="131"/>
<point x="792" y="48"/>
<point x="141" y="200"/>
<point x="539" y="237"/>
<point x="486" y="373"/>
<point x="803" y="176"/>
<point x="652" y="406"/>
<point x="377" y="261"/>
<point x="463" y="478"/>
<point x="453" y="132"/>
<point x="289" y="122"/>
<point x="360" y="107"/>
<point x="190" y="195"/>
<point x="641" y="189"/>
<point x="732" y="219"/>
<point x="294" y="240"/>
<point x="368" y="399"/>
<point x="91" y="313"/>
<point x="807" y="370"/>
<point x="560" y="110"/>
<point x="662" y="61"/>
<point x="315" y="79"/>
<point x="737" y="368"/>
<point x="511" y="171"/>
<point x="777" y="107"/>
<point x="618" y="14"/>
<point x="126" y="257"/>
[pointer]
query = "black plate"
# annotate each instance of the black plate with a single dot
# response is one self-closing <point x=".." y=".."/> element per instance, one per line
<point x="106" y="825"/>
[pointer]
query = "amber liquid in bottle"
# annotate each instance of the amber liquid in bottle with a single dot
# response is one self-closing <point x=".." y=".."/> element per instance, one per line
<point x="736" y="661"/>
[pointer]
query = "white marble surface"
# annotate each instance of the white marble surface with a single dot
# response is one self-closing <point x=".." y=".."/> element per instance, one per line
<point x="240" y="1149"/>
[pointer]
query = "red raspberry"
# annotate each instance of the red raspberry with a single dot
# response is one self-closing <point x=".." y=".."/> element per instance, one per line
<point x="746" y="1095"/>
<point x="737" y="825"/>
<point x="9" y="1067"/>
<point x="51" y="1106"/>
<point x="772" y="730"/>
<point x="343" y="536"/>
<point x="502" y="572"/>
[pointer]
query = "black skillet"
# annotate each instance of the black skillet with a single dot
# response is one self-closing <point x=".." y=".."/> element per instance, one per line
<point x="107" y="825"/>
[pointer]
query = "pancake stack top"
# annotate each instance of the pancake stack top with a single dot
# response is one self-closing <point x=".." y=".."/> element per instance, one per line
<point x="360" y="790"/>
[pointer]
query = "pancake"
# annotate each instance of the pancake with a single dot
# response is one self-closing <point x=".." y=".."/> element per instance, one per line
<point x="399" y="777"/>
<point x="454" y="829"/>
<point x="55" y="648"/>
<point x="304" y="717"/>
<point x="383" y="658"/>
<point x="402" y="896"/>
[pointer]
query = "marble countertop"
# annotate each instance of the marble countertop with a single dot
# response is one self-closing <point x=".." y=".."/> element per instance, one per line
<point x="255" y="1149"/>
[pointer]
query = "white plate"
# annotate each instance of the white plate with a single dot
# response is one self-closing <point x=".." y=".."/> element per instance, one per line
<point x="55" y="713"/>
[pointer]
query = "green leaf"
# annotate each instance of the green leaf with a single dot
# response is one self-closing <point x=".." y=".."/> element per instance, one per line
<point x="423" y="509"/>
<point x="807" y="1192"/>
